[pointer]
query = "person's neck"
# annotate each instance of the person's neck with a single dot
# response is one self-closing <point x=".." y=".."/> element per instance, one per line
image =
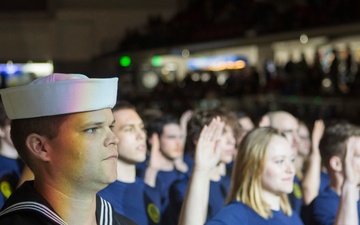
<point x="126" y="172"/>
<point x="222" y="168"/>
<point x="76" y="208"/>
<point x="272" y="200"/>
<point x="299" y="162"/>
<point x="8" y="150"/>
<point x="180" y="165"/>
<point x="166" y="164"/>
<point x="336" y="181"/>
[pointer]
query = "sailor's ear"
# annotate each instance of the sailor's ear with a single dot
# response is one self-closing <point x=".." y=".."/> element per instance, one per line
<point x="37" y="145"/>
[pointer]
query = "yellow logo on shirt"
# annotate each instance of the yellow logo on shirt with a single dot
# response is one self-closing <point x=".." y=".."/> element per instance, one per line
<point x="297" y="191"/>
<point x="153" y="212"/>
<point x="5" y="189"/>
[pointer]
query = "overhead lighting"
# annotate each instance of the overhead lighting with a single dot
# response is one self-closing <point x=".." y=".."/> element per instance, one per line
<point x="304" y="39"/>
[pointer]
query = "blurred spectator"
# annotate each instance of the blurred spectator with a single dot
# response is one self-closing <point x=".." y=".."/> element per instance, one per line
<point x="11" y="166"/>
<point x="334" y="72"/>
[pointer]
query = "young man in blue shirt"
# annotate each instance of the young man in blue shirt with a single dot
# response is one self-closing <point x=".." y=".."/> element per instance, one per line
<point x="339" y="203"/>
<point x="129" y="195"/>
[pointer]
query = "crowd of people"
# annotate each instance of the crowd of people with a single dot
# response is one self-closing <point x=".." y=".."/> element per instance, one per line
<point x="230" y="18"/>
<point x="309" y="90"/>
<point x="72" y="152"/>
<point x="330" y="74"/>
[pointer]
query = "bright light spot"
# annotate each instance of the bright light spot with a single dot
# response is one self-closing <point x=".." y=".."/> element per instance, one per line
<point x="150" y="79"/>
<point x="304" y="39"/>
<point x="125" y="61"/>
<point x="40" y="69"/>
<point x="195" y="77"/>
<point x="228" y="65"/>
<point x="171" y="66"/>
<point x="185" y="53"/>
<point x="240" y="64"/>
<point x="156" y="61"/>
<point x="326" y="82"/>
<point x="205" y="77"/>
<point x="11" y="68"/>
<point x="165" y="71"/>
<point x="221" y="78"/>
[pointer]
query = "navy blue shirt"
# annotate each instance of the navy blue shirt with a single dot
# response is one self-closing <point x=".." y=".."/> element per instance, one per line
<point x="217" y="196"/>
<point x="189" y="160"/>
<point x="137" y="201"/>
<point x="240" y="214"/>
<point x="323" y="209"/>
<point x="324" y="181"/>
<point x="142" y="166"/>
<point x="296" y="197"/>
<point x="10" y="172"/>
<point x="164" y="180"/>
<point x="306" y="210"/>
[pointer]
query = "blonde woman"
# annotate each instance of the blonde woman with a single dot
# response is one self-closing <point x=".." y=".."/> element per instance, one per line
<point x="262" y="177"/>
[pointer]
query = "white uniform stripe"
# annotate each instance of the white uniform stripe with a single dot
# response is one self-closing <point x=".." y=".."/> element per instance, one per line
<point x="110" y="214"/>
<point x="35" y="207"/>
<point x="106" y="213"/>
<point x="101" y="212"/>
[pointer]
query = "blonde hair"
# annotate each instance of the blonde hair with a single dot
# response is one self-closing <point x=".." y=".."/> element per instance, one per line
<point x="249" y="165"/>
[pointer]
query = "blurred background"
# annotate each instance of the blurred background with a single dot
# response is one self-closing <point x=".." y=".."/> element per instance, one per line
<point x="253" y="56"/>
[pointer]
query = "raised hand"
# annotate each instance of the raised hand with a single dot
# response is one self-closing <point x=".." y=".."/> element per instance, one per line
<point x="311" y="181"/>
<point x="349" y="164"/>
<point x="155" y="154"/>
<point x="347" y="210"/>
<point x="184" y="119"/>
<point x="207" y="153"/>
<point x="317" y="133"/>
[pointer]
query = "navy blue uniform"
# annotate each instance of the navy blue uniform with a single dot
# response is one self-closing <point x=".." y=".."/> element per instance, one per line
<point x="26" y="207"/>
<point x="164" y="180"/>
<point x="306" y="210"/>
<point x="217" y="196"/>
<point x="240" y="214"/>
<point x="10" y="172"/>
<point x="296" y="197"/>
<point x="324" y="181"/>
<point x="137" y="201"/>
<point x="141" y="167"/>
<point x="189" y="160"/>
<point x="323" y="210"/>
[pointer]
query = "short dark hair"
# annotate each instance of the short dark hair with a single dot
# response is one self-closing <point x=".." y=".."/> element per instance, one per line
<point x="122" y="104"/>
<point x="46" y="126"/>
<point x="157" y="124"/>
<point x="333" y="141"/>
<point x="202" y="117"/>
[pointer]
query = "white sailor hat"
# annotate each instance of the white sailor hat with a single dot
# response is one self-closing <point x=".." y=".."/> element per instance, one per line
<point x="58" y="94"/>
